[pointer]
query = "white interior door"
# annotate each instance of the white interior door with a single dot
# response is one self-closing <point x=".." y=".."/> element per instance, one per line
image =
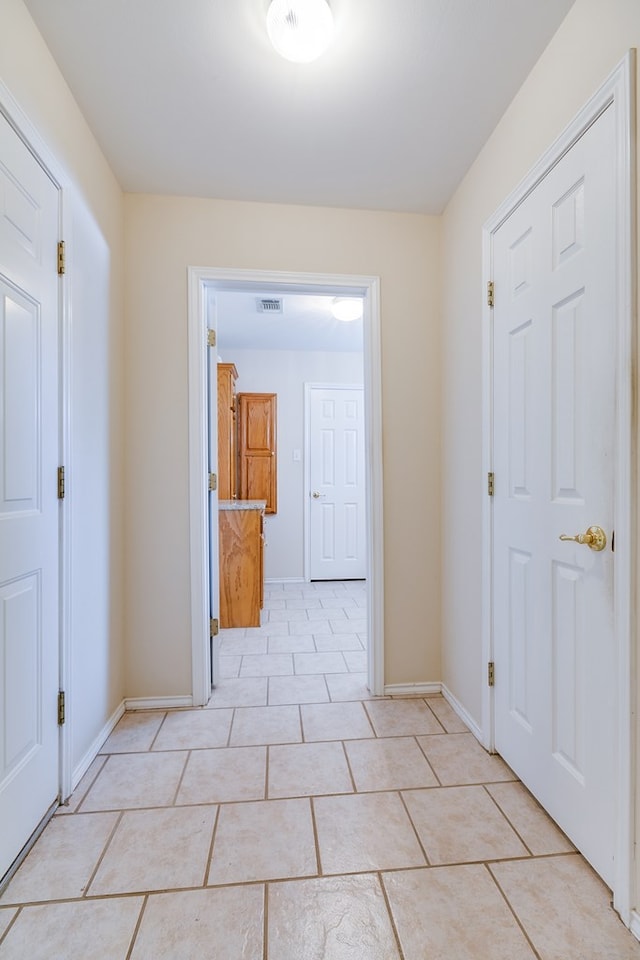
<point x="29" y="597"/>
<point x="337" y="518"/>
<point x="554" y="417"/>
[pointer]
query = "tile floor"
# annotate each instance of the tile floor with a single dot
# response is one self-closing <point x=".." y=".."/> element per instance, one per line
<point x="297" y="818"/>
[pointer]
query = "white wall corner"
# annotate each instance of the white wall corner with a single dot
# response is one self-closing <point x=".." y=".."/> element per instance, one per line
<point x="466" y="717"/>
<point x="81" y="768"/>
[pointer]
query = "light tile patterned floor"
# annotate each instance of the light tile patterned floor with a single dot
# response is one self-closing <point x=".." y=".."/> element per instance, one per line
<point x="298" y="818"/>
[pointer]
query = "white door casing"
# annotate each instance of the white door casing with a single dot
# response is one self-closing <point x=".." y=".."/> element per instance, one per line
<point x="201" y="281"/>
<point x="29" y="510"/>
<point x="335" y="472"/>
<point x="214" y="560"/>
<point x="558" y="435"/>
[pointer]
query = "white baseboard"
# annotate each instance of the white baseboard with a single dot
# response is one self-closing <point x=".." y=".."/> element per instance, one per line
<point x="157" y="703"/>
<point x="634" y="925"/>
<point x="411" y="689"/>
<point x="81" y="768"/>
<point x="462" y="713"/>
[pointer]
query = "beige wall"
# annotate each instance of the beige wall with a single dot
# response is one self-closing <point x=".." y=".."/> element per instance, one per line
<point x="163" y="237"/>
<point x="590" y="43"/>
<point x="94" y="232"/>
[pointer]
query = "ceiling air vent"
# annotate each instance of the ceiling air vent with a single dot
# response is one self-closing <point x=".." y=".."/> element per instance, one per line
<point x="270" y="305"/>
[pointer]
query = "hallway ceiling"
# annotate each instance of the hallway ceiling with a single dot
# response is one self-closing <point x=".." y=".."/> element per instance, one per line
<point x="189" y="98"/>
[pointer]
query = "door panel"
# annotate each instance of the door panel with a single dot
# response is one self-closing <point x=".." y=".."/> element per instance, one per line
<point x="554" y="404"/>
<point x="257" y="448"/>
<point x="336" y="470"/>
<point x="29" y="512"/>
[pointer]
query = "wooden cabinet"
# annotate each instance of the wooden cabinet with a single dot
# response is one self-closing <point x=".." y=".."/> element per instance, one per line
<point x="227" y="446"/>
<point x="257" y="450"/>
<point x="241" y="546"/>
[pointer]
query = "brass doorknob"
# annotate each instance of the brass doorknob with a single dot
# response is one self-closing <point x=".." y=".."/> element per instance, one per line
<point x="595" y="538"/>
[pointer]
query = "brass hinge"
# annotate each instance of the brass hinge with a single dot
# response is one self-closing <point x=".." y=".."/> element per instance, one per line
<point x="60" y="483"/>
<point x="211" y="338"/>
<point x="490" y="293"/>
<point x="61" y="258"/>
<point x="491" y="482"/>
<point x="213" y="627"/>
<point x="491" y="674"/>
<point x="213" y="482"/>
<point x="61" y="710"/>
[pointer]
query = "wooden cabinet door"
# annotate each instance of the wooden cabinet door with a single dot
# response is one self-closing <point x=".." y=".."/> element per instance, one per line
<point x="257" y="454"/>
<point x="241" y="567"/>
<point x="227" y="467"/>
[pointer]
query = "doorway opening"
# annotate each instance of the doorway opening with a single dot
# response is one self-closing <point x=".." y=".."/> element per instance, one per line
<point x="206" y="287"/>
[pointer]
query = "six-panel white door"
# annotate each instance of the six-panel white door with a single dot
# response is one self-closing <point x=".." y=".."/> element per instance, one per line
<point x="29" y="653"/>
<point x="554" y="404"/>
<point x="337" y="526"/>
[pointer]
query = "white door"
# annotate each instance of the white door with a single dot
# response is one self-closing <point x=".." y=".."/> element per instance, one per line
<point x="337" y="521"/>
<point x="554" y="405"/>
<point x="29" y="652"/>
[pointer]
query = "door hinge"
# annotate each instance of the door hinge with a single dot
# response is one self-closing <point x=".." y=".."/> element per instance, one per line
<point x="491" y="482"/>
<point x="60" y="483"/>
<point x="491" y="675"/>
<point x="61" y="709"/>
<point x="213" y="482"/>
<point x="211" y="338"/>
<point x="490" y="293"/>
<point x="213" y="627"/>
<point x="61" y="259"/>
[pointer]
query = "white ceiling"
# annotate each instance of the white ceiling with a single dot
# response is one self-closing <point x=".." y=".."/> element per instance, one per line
<point x="306" y="323"/>
<point x="188" y="97"/>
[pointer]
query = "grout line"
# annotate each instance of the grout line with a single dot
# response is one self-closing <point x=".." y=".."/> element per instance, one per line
<point x="436" y="718"/>
<point x="316" y="837"/>
<point x="11" y="923"/>
<point x="79" y="808"/>
<point x="415" y="829"/>
<point x="207" y="869"/>
<point x="265" y="922"/>
<point x="266" y="772"/>
<point x="368" y="716"/>
<point x="103" y="854"/>
<point x="391" y="916"/>
<point x="513" y="912"/>
<point x="431" y="767"/>
<point x="155" y="737"/>
<point x="136" y="930"/>
<point x="180" y="779"/>
<point x="346" y="756"/>
<point x="511" y="824"/>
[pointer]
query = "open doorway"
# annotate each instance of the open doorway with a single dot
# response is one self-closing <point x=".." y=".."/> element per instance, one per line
<point x="208" y="289"/>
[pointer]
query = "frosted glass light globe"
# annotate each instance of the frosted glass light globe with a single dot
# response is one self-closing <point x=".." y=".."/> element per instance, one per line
<point x="347" y="309"/>
<point x="300" y="30"/>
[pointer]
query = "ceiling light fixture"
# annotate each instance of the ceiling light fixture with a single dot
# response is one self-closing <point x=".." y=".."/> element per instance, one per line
<point x="300" y="30"/>
<point x="347" y="309"/>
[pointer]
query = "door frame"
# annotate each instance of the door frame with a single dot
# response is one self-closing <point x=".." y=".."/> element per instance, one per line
<point x="29" y="134"/>
<point x="308" y="388"/>
<point x="616" y="93"/>
<point x="201" y="280"/>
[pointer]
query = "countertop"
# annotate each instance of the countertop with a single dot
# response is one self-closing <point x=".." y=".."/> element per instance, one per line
<point x="242" y="504"/>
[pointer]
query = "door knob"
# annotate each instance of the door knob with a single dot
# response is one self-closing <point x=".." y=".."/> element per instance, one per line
<point x="316" y="495"/>
<point x="595" y="538"/>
